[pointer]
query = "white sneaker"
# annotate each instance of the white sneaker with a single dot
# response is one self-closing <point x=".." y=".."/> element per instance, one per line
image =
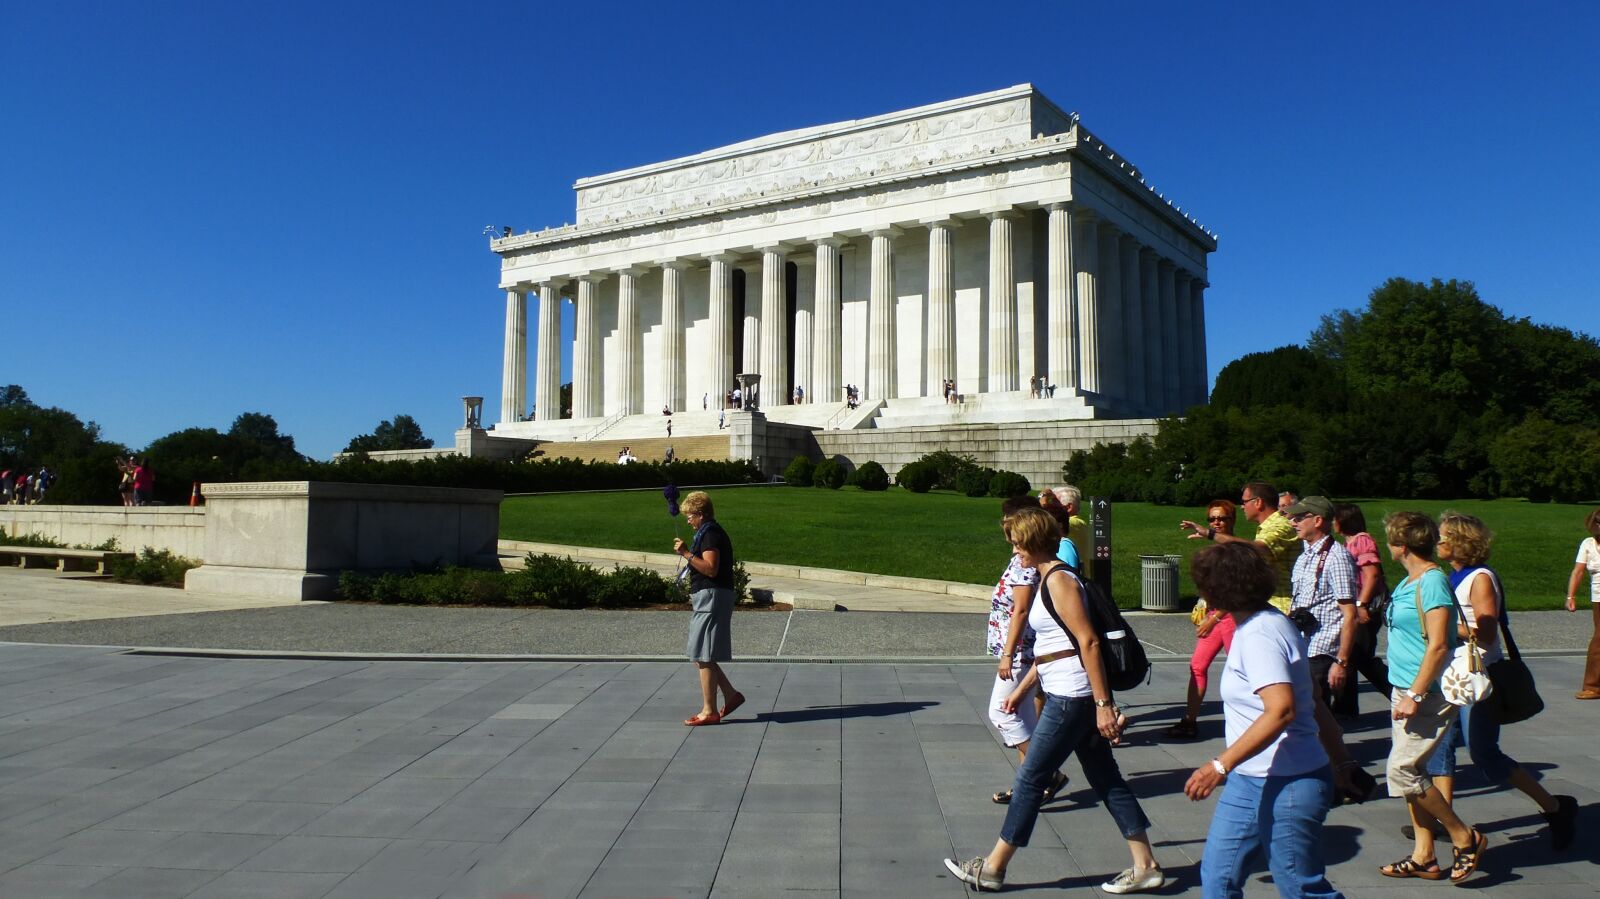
<point x="973" y="874"/>
<point x="1133" y="881"/>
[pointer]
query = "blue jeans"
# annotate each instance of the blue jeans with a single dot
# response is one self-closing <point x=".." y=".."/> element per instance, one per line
<point x="1067" y="725"/>
<point x="1483" y="744"/>
<point x="1280" y="816"/>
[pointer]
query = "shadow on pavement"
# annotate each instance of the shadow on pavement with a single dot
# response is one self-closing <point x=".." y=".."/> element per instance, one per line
<point x="833" y="712"/>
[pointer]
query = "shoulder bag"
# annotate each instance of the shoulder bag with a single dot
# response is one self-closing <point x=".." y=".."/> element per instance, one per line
<point x="1515" y="697"/>
<point x="1465" y="680"/>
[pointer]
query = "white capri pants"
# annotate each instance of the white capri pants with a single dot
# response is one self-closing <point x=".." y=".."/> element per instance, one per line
<point x="1016" y="727"/>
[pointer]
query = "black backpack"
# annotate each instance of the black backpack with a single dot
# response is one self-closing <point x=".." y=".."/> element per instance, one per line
<point x="1120" y="650"/>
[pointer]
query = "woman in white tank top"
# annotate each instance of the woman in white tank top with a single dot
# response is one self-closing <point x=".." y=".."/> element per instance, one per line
<point x="1079" y="717"/>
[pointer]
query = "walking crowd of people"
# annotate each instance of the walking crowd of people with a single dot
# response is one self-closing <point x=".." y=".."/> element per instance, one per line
<point x="1297" y="607"/>
<point x="21" y="487"/>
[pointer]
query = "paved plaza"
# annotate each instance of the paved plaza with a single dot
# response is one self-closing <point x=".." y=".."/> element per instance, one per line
<point x="128" y="774"/>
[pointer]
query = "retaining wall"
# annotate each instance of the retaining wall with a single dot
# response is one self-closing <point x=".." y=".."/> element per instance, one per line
<point x="177" y="529"/>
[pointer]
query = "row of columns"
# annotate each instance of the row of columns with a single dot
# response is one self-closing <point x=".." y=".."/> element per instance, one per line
<point x="1122" y="323"/>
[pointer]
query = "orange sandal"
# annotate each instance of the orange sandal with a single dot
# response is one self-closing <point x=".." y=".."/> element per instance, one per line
<point x="700" y="720"/>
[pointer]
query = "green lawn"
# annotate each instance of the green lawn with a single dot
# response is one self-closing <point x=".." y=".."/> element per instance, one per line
<point x="955" y="538"/>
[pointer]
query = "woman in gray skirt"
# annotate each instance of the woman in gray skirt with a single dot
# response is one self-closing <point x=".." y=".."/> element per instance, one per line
<point x="709" y="561"/>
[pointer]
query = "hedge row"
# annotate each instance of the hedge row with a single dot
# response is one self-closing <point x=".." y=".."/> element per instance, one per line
<point x="550" y="581"/>
<point x="962" y="474"/>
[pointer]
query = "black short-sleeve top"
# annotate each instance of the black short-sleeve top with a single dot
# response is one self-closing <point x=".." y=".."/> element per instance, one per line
<point x="713" y="537"/>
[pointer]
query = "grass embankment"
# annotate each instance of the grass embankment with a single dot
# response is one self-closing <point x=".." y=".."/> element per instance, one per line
<point x="955" y="538"/>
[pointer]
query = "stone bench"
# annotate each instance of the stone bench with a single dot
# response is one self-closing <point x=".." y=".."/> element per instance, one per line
<point x="25" y="556"/>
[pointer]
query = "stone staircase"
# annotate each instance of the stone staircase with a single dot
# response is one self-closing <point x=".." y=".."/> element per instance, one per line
<point x="645" y="449"/>
<point x="988" y="408"/>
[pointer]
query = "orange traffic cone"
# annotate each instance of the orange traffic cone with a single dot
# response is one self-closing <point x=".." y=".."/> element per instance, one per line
<point x="195" y="498"/>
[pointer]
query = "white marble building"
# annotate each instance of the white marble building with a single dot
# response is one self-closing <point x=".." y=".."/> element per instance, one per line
<point x="985" y="240"/>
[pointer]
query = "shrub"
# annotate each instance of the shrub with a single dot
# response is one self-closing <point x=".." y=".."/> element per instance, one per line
<point x="829" y="474"/>
<point x="974" y="481"/>
<point x="355" y="586"/>
<point x="918" y="477"/>
<point x="623" y="587"/>
<point x="870" y="476"/>
<point x="153" y="566"/>
<point x="741" y="583"/>
<point x="558" y="582"/>
<point x="1008" y="483"/>
<point x="948" y="466"/>
<point x="798" y="474"/>
<point x="34" y="540"/>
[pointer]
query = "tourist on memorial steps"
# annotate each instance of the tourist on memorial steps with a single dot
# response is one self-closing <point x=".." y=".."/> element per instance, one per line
<point x="1351" y="524"/>
<point x="1422" y="625"/>
<point x="1588" y="562"/>
<point x="1213" y="633"/>
<point x="1079" y="717"/>
<point x="1277" y="785"/>
<point x="1325" y="587"/>
<point x="1007" y="641"/>
<point x="708" y="559"/>
<point x="1274" y="533"/>
<point x="1464" y="542"/>
<point x="144" y="483"/>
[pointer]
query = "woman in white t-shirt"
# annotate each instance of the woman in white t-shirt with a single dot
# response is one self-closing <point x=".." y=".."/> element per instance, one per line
<point x="1079" y="717"/>
<point x="1588" y="562"/>
<point x="1278" y="783"/>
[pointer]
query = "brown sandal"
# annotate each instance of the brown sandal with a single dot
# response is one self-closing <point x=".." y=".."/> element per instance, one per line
<point x="1410" y="867"/>
<point x="1060" y="781"/>
<point x="1467" y="859"/>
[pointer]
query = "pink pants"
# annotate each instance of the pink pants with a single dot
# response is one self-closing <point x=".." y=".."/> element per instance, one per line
<point x="1206" y="649"/>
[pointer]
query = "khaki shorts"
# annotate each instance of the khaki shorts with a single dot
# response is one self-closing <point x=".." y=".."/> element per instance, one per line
<point x="1415" y="740"/>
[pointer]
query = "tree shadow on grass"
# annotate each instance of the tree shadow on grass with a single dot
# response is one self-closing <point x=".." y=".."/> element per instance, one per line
<point x="838" y="712"/>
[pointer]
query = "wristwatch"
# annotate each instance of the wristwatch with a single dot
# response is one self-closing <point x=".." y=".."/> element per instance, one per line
<point x="1221" y="768"/>
<point x="1416" y="697"/>
<point x="1342" y="663"/>
<point x="1102" y="704"/>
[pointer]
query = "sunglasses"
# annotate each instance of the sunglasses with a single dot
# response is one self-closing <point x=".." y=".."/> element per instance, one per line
<point x="1216" y="518"/>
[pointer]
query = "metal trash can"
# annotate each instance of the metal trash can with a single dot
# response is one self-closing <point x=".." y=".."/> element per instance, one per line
<point x="1159" y="579"/>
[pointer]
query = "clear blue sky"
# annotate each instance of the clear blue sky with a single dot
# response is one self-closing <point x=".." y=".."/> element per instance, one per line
<point x="212" y="208"/>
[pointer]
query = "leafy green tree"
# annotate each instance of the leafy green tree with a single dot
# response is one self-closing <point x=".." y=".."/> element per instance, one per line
<point x="259" y="431"/>
<point x="399" y="433"/>
<point x="34" y="437"/>
<point x="1286" y="375"/>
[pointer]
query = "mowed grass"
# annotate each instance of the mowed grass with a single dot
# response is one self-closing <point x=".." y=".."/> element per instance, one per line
<point x="956" y="538"/>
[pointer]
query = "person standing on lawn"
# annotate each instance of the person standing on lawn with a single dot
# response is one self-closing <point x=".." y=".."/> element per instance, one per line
<point x="1588" y="563"/>
<point x="708" y="559"/>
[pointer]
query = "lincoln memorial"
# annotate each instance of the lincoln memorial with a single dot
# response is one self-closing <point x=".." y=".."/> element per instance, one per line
<point x="991" y="241"/>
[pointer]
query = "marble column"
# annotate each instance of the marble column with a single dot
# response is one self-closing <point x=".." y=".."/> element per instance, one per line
<point x="1197" y="338"/>
<point x="1002" y="303"/>
<point x="1171" y="403"/>
<point x="774" y="329"/>
<point x="1086" y="256"/>
<point x="1113" y="364"/>
<point x="805" y="292"/>
<point x="585" y="352"/>
<point x="629" y="399"/>
<point x="514" y="373"/>
<point x="1063" y="334"/>
<point x="672" y="360"/>
<point x="720" y="311"/>
<point x="1184" y="358"/>
<point x="881" y="358"/>
<point x="1133" y="348"/>
<point x="751" y="362"/>
<point x="825" y="368"/>
<point x="547" y="374"/>
<point x="1155" y="352"/>
<point x="941" y="307"/>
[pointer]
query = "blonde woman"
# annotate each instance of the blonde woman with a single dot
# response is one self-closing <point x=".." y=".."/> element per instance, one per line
<point x="1080" y="717"/>
<point x="708" y="558"/>
<point x="1422" y="625"/>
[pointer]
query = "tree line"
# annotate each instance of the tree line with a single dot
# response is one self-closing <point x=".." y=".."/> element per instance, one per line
<point x="1427" y="392"/>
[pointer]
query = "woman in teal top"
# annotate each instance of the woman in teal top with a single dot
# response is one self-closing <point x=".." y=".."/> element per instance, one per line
<point x="1422" y="627"/>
